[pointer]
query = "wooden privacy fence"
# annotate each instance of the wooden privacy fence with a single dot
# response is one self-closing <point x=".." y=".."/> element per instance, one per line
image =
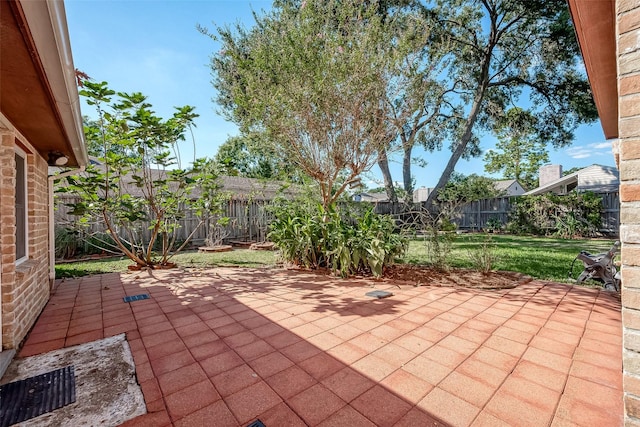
<point x="249" y="219"/>
<point x="475" y="215"/>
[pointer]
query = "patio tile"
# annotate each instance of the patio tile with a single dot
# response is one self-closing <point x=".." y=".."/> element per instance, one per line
<point x="495" y="358"/>
<point x="598" y="374"/>
<point x="466" y="388"/>
<point x="267" y="330"/>
<point x="381" y="406"/>
<point x="535" y="394"/>
<point x="197" y="338"/>
<point x="151" y="390"/>
<point x="315" y="404"/>
<point x="346" y="331"/>
<point x="347" y="417"/>
<point x="417" y="417"/>
<point x="235" y="380"/>
<point x="83" y="337"/>
<point x="30" y="349"/>
<point x="482" y="372"/>
<point x="153" y="419"/>
<point x="159" y="338"/>
<point x="191" y="399"/>
<point x="249" y="403"/>
<point x="413" y="343"/>
<point x="448" y="407"/>
<point x="514" y="353"/>
<point x="348" y="384"/>
<point x="515" y="411"/>
<point x="444" y="356"/>
<point x="407" y="386"/>
<point x="300" y="351"/>
<point x="575" y="412"/>
<point x="290" y="382"/>
<point x="171" y="362"/>
<point x="545" y="358"/>
<point x="172" y="346"/>
<point x="281" y="415"/>
<point x="221" y="362"/>
<point x="270" y="364"/>
<point x="542" y="375"/>
<point x="181" y="378"/>
<point x="347" y="352"/>
<point x="374" y="367"/>
<point x="321" y="366"/>
<point x="428" y="370"/>
<point x="254" y="350"/>
<point x="217" y="411"/>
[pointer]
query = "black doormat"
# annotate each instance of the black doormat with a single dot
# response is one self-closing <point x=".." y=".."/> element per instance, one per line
<point x="31" y="397"/>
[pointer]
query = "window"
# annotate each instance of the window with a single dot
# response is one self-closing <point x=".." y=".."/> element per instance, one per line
<point x="21" y="206"/>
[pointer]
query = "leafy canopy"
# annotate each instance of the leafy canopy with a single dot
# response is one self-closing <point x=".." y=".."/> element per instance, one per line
<point x="314" y="76"/>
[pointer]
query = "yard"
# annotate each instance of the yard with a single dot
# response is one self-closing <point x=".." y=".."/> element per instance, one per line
<point x="541" y="258"/>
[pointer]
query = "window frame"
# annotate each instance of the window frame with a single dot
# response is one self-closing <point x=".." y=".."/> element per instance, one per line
<point x="21" y="156"/>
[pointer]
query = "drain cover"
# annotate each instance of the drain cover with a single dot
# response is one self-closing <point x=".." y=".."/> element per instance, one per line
<point x="136" y="297"/>
<point x="379" y="294"/>
<point x="256" y="423"/>
<point x="31" y="397"/>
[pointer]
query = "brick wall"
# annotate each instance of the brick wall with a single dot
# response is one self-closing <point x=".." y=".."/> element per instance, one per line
<point x="25" y="287"/>
<point x="628" y="155"/>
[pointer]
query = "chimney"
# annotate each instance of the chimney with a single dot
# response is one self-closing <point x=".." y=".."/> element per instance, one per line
<point x="549" y="173"/>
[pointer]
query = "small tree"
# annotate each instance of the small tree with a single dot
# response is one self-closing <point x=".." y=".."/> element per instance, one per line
<point x="519" y="153"/>
<point x="139" y="193"/>
<point x="315" y="76"/>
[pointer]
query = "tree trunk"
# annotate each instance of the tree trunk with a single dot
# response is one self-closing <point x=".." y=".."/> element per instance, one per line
<point x="383" y="162"/>
<point x="406" y="171"/>
<point x="483" y="84"/>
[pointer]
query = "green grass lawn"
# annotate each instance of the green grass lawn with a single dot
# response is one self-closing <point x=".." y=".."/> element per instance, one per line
<point x="237" y="257"/>
<point x="542" y="258"/>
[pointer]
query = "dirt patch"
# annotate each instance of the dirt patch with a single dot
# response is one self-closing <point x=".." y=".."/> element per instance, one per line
<point x="426" y="276"/>
<point x="107" y="393"/>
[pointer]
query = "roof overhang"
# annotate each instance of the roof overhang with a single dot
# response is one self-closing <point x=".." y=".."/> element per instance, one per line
<point x="38" y="93"/>
<point x="595" y="21"/>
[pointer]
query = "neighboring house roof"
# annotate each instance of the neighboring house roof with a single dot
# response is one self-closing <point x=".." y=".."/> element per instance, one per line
<point x="596" y="178"/>
<point x="251" y="188"/>
<point x="38" y="94"/>
<point x="510" y="187"/>
<point x="239" y="187"/>
<point x="371" y="197"/>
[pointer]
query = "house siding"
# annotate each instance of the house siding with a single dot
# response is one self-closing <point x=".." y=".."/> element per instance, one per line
<point x="628" y="28"/>
<point x="24" y="287"/>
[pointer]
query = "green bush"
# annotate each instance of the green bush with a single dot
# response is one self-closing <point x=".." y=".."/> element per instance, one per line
<point x="568" y="216"/>
<point x="342" y="240"/>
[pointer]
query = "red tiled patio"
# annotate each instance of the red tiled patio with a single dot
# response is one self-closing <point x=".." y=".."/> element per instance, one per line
<point x="224" y="347"/>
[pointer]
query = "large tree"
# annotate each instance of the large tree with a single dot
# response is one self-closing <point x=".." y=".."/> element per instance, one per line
<point x="315" y="76"/>
<point x="505" y="53"/>
<point x="518" y="153"/>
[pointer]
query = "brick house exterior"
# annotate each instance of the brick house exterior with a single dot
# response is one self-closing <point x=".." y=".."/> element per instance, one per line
<point x="609" y="36"/>
<point x="40" y="123"/>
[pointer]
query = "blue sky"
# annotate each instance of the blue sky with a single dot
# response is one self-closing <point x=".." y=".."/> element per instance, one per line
<point x="153" y="47"/>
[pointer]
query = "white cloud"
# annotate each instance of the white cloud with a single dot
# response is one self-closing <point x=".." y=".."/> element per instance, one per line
<point x="579" y="152"/>
<point x="595" y="149"/>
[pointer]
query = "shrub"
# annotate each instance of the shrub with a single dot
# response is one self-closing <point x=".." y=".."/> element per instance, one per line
<point x="568" y="216"/>
<point x="310" y="236"/>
